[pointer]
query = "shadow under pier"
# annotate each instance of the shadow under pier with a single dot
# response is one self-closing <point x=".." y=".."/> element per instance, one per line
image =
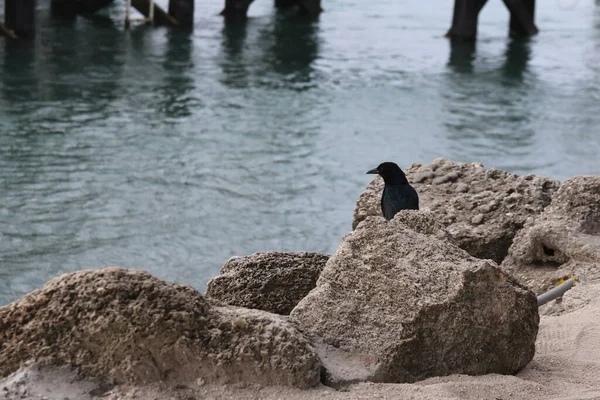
<point x="20" y="15"/>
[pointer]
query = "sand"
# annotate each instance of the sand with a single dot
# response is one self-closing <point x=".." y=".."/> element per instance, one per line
<point x="566" y="366"/>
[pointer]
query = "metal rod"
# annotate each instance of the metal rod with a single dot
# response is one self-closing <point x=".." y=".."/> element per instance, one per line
<point x="556" y="292"/>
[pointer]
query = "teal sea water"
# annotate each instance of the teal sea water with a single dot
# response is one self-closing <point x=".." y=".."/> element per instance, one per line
<point x="151" y="148"/>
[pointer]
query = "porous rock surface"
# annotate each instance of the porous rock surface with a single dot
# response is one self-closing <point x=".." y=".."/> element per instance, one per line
<point x="482" y="209"/>
<point x="424" y="222"/>
<point x="270" y="281"/>
<point x="563" y="240"/>
<point x="130" y="327"/>
<point x="404" y="306"/>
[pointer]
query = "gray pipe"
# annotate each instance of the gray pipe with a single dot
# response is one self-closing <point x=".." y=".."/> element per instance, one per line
<point x="556" y="292"/>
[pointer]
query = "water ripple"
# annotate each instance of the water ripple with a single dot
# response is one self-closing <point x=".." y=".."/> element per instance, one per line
<point x="154" y="149"/>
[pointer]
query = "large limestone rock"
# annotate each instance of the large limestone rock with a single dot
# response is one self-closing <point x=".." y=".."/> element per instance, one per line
<point x="269" y="281"/>
<point x="481" y="208"/>
<point x="563" y="240"/>
<point x="399" y="306"/>
<point x="128" y="326"/>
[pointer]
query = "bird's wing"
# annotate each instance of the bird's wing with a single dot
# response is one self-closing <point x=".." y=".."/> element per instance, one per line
<point x="396" y="198"/>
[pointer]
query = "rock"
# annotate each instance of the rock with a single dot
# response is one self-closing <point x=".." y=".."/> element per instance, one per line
<point x="413" y="306"/>
<point x="342" y="368"/>
<point x="270" y="281"/>
<point x="477" y="219"/>
<point x="462" y="187"/>
<point x="369" y="201"/>
<point x="563" y="240"/>
<point x="423" y="222"/>
<point x="482" y="209"/>
<point x="140" y="329"/>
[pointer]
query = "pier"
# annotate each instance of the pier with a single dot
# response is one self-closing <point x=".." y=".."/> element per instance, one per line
<point x="20" y="14"/>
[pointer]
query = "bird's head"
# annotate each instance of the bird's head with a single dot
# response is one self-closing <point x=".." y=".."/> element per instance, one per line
<point x="390" y="172"/>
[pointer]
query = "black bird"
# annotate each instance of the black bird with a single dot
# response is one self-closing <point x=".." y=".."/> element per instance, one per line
<point x="397" y="193"/>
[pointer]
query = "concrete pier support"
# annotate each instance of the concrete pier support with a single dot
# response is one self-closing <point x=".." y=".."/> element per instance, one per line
<point x="91" y="6"/>
<point x="464" y="19"/>
<point x="236" y="10"/>
<point x="19" y="17"/>
<point x="183" y="12"/>
<point x="70" y="8"/>
<point x="522" y="13"/>
<point x="285" y="4"/>
<point x="466" y="15"/>
<point x="311" y="7"/>
<point x="63" y="8"/>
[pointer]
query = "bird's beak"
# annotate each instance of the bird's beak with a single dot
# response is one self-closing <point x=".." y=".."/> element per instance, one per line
<point x="373" y="171"/>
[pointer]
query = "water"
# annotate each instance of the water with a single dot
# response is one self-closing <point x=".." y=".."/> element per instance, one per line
<point x="153" y="149"/>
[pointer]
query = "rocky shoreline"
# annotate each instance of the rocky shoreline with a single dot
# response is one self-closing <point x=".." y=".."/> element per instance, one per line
<point x="437" y="303"/>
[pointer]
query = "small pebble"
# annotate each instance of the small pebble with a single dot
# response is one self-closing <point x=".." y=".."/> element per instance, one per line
<point x="422" y="176"/>
<point x="449" y="177"/>
<point x="513" y="197"/>
<point x="489" y="207"/>
<point x="446" y="167"/>
<point x="439" y="180"/>
<point x="477" y="219"/>
<point x="462" y="187"/>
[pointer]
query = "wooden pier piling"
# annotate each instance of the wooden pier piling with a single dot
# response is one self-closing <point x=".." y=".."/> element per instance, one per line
<point x="19" y="17"/>
<point x="183" y="12"/>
